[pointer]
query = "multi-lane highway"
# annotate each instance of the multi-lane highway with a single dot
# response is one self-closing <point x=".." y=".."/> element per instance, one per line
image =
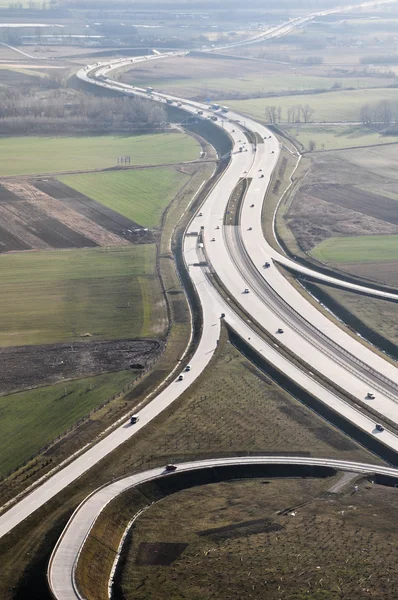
<point x="237" y="255"/>
<point x="62" y="565"/>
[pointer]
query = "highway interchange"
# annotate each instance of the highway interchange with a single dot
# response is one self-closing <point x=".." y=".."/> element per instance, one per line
<point x="237" y="255"/>
<point x="63" y="561"/>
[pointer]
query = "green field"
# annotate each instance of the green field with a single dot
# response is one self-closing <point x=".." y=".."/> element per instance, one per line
<point x="140" y="195"/>
<point x="338" y="136"/>
<point x="19" y="155"/>
<point x="30" y="420"/>
<point x="48" y="297"/>
<point x="365" y="248"/>
<point x="329" y="107"/>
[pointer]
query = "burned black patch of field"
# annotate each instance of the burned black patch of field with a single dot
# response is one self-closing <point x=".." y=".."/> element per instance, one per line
<point x="24" y="367"/>
<point x="95" y="211"/>
<point x="158" y="553"/>
<point x="242" y="529"/>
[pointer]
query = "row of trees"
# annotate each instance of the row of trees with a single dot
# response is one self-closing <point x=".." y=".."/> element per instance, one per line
<point x="382" y="113"/>
<point x="298" y="113"/>
<point x="24" y="113"/>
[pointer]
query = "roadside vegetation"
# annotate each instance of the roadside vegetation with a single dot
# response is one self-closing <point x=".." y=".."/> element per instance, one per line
<point x="56" y="154"/>
<point x="140" y="195"/>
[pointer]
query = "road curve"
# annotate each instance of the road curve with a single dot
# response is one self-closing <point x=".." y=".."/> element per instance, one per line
<point x="213" y="305"/>
<point x="63" y="561"/>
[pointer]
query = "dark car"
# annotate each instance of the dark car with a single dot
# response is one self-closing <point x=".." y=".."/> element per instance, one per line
<point x="171" y="468"/>
<point x="267" y="265"/>
<point x="379" y="427"/>
<point x="280" y="330"/>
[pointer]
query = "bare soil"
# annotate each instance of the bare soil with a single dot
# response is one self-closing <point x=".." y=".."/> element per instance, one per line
<point x="48" y="214"/>
<point x="313" y="219"/>
<point x="25" y="367"/>
<point x="359" y="204"/>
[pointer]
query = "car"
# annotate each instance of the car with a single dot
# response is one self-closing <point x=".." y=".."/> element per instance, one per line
<point x="222" y="315"/>
<point x="251" y="205"/>
<point x="171" y="468"/>
<point x="249" y="228"/>
<point x="247" y="291"/>
<point x="202" y="226"/>
<point x="200" y="112"/>
<point x="267" y="265"/>
<point x="179" y="104"/>
<point x="134" y="419"/>
<point x="272" y="152"/>
<point x="280" y="330"/>
<point x="180" y="377"/>
<point x="370" y="396"/>
<point x="188" y="368"/>
<point x="200" y="214"/>
<point x="213" y="239"/>
<point x="218" y="227"/>
<point x="379" y="427"/>
<point x="262" y="175"/>
<point x="260" y="169"/>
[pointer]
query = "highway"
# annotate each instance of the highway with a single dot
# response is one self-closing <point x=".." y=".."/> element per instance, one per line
<point x="272" y="301"/>
<point x="62" y="565"/>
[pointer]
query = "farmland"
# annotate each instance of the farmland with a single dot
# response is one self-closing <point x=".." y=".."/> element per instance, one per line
<point x="369" y="248"/>
<point x="243" y="539"/>
<point x="49" y="297"/>
<point x="56" y="154"/>
<point x="192" y="77"/>
<point x="32" y="419"/>
<point x="140" y="195"/>
<point x="329" y="107"/>
<point x="335" y="137"/>
<point x="43" y="216"/>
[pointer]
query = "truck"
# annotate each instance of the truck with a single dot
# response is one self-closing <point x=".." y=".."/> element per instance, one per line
<point x="224" y="109"/>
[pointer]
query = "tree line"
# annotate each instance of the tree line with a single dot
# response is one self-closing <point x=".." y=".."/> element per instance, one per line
<point x="297" y="113"/>
<point x="23" y="113"/>
<point x="383" y="113"/>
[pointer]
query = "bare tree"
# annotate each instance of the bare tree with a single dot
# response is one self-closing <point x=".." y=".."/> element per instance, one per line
<point x="366" y="115"/>
<point x="311" y="145"/>
<point x="308" y="112"/>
